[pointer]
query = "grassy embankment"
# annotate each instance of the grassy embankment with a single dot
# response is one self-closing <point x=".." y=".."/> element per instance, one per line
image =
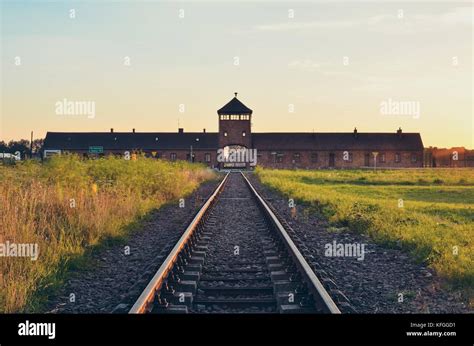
<point x="429" y="213"/>
<point x="68" y="205"/>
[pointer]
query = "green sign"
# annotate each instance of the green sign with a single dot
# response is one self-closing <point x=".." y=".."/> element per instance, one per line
<point x="96" y="150"/>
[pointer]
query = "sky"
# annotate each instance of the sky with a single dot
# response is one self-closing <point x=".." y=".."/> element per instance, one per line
<point x="301" y="66"/>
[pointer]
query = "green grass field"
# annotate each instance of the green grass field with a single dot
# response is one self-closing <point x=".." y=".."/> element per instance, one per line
<point x="427" y="212"/>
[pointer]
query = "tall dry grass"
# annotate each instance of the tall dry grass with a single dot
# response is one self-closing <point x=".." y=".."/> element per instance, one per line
<point x="66" y="205"/>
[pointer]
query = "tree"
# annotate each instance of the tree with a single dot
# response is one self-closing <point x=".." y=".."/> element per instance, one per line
<point x="38" y="145"/>
<point x="23" y="146"/>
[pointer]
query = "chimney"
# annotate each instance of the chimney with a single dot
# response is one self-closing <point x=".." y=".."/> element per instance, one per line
<point x="399" y="132"/>
<point x="355" y="132"/>
<point x="133" y="130"/>
<point x="112" y="130"/>
<point x="180" y="130"/>
<point x="204" y="130"/>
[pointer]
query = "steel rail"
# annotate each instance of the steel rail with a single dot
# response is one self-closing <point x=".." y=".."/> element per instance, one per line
<point x="321" y="296"/>
<point x="147" y="297"/>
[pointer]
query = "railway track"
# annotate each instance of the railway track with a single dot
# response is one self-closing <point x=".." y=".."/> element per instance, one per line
<point x="235" y="257"/>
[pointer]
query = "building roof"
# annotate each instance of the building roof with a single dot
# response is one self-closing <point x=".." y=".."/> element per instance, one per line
<point x="208" y="140"/>
<point x="337" y="141"/>
<point x="130" y="140"/>
<point x="234" y="106"/>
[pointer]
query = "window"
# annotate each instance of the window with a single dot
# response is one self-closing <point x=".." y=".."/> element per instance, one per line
<point x="225" y="133"/>
<point x="224" y="117"/>
<point x="234" y="117"/>
<point x="276" y="156"/>
<point x="273" y="156"/>
<point x="243" y="134"/>
<point x="245" y="117"/>
<point x="279" y="157"/>
<point x="207" y="157"/>
<point x="296" y="157"/>
<point x="414" y="158"/>
<point x="173" y="156"/>
<point x="314" y="157"/>
<point x="382" y="157"/>
<point x="398" y="157"/>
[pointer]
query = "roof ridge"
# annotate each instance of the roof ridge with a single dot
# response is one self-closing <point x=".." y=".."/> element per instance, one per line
<point x="234" y="106"/>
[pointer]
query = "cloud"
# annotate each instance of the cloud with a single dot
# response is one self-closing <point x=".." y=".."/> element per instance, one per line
<point x="306" y="65"/>
<point x="386" y="23"/>
<point x="295" y="26"/>
<point x="458" y="15"/>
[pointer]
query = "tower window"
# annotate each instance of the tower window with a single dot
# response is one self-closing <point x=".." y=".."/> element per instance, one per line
<point x="244" y="134"/>
<point x="245" y="117"/>
<point x="234" y="117"/>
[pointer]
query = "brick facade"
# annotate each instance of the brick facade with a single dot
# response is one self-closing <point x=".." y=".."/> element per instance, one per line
<point x="292" y="159"/>
<point x="276" y="150"/>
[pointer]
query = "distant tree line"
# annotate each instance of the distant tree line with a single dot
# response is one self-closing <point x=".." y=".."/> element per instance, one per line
<point x="22" y="146"/>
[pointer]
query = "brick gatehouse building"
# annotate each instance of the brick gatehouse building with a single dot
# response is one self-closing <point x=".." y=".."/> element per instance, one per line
<point x="306" y="150"/>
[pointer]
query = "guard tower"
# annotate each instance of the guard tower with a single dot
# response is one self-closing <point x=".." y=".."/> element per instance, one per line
<point x="234" y="125"/>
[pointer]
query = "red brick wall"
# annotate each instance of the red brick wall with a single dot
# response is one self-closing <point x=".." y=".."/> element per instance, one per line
<point x="447" y="158"/>
<point x="234" y="129"/>
<point x="266" y="159"/>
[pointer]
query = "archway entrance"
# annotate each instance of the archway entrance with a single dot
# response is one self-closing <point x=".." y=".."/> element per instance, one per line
<point x="234" y="157"/>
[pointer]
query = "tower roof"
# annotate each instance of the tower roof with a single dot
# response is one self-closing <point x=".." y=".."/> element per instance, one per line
<point x="234" y="106"/>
